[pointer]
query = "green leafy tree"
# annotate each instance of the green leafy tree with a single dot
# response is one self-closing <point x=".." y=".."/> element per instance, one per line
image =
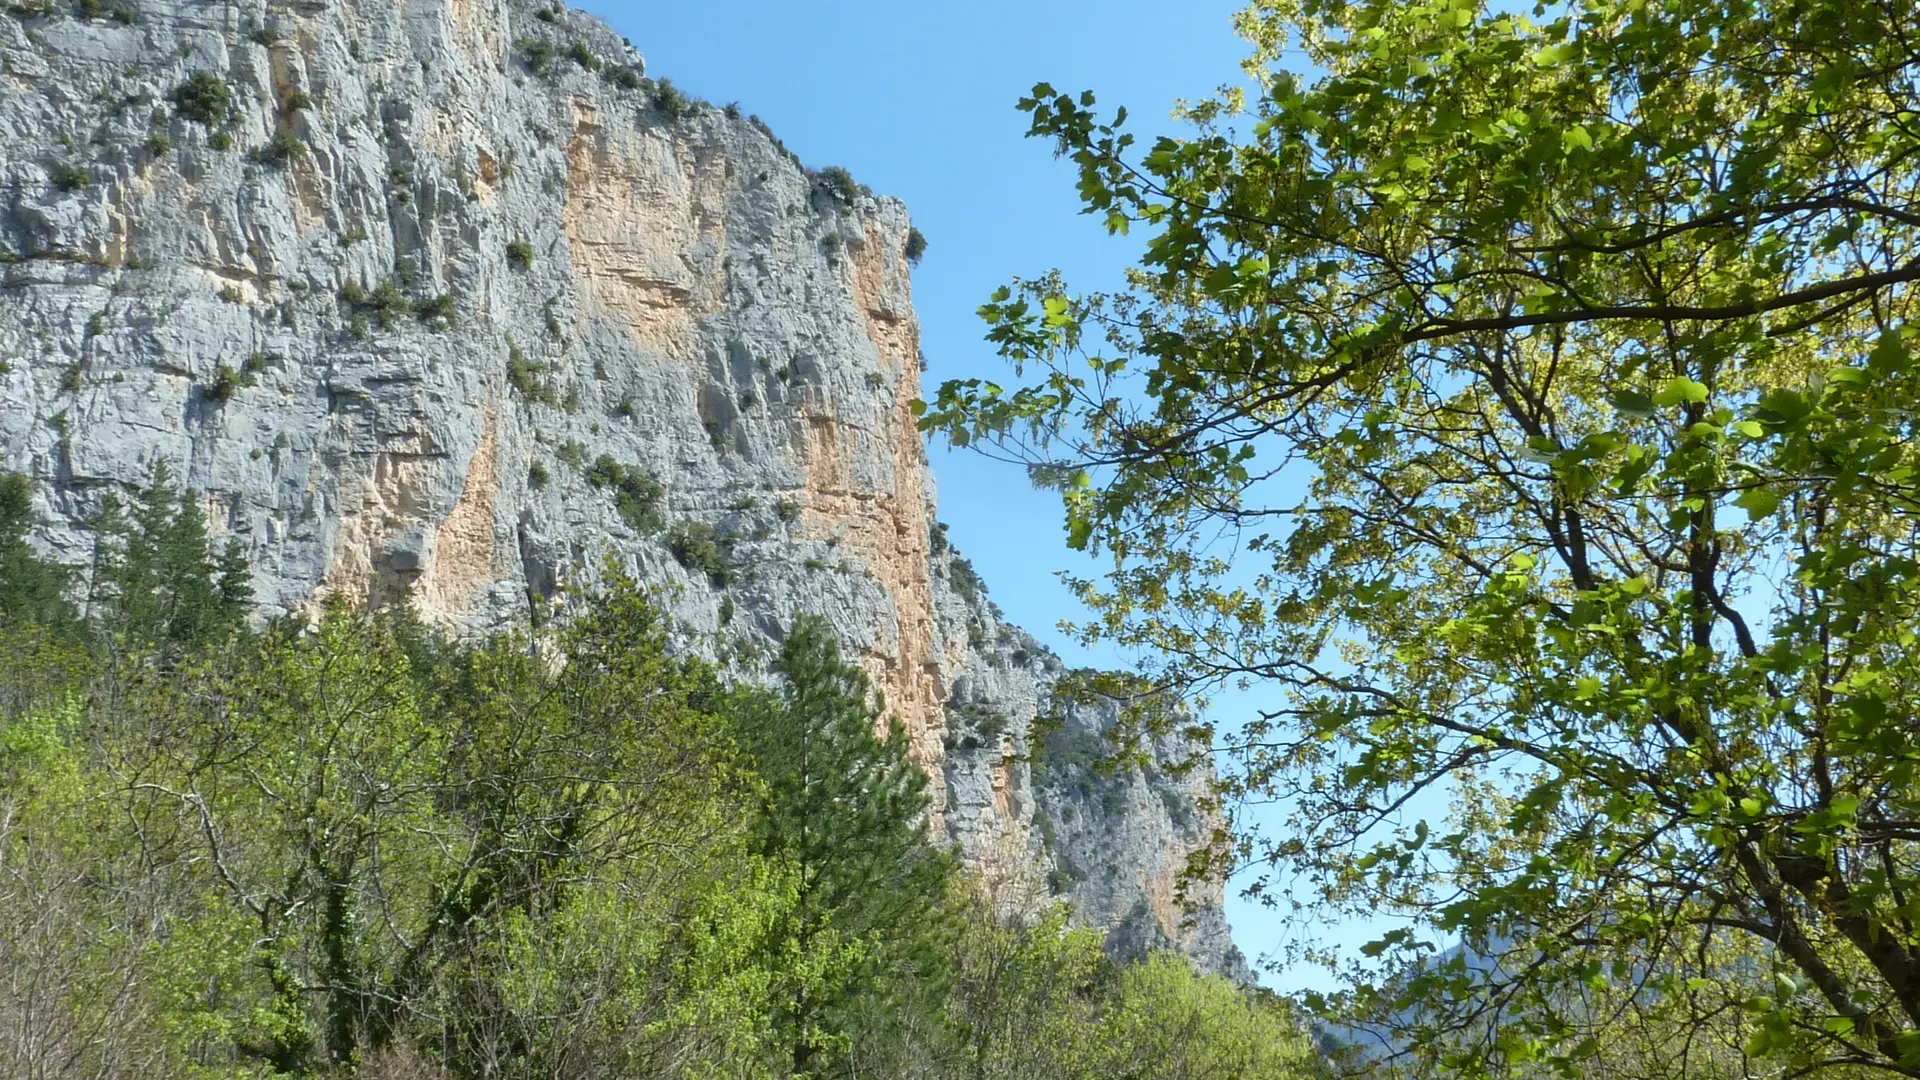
<point x="845" y="808"/>
<point x="1525" y="405"/>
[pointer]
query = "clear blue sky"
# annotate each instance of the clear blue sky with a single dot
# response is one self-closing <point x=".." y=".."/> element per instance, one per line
<point x="917" y="101"/>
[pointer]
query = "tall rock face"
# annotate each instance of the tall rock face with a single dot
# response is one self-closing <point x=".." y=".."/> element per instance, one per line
<point x="442" y="302"/>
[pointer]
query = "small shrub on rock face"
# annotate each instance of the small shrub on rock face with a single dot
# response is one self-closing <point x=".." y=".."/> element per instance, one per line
<point x="670" y="102"/>
<point x="537" y="476"/>
<point x="839" y="183"/>
<point x="580" y="54"/>
<point x="636" y="494"/>
<point x="524" y="376"/>
<point x="226" y="383"/>
<point x="158" y="143"/>
<point x="436" y="311"/>
<point x="220" y="140"/>
<point x="916" y="245"/>
<point x="285" y="146"/>
<point x="519" y="253"/>
<point x="696" y="546"/>
<point x="202" y="97"/>
<point x="69" y="177"/>
<point x="536" y="54"/>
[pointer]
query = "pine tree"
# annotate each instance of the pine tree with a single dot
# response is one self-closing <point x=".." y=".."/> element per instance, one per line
<point x="846" y="808"/>
<point x="32" y="589"/>
<point x="156" y="578"/>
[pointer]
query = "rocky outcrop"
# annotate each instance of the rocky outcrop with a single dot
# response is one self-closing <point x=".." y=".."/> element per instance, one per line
<point x="444" y="302"/>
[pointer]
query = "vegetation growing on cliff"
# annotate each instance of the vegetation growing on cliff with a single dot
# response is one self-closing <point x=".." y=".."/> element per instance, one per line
<point x="1527" y="406"/>
<point x="343" y="846"/>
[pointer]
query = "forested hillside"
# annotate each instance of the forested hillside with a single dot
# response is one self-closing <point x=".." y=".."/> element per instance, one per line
<point x="346" y="846"/>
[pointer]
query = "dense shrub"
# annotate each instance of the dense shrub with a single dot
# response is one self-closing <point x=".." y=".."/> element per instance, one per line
<point x="637" y="495"/>
<point x="203" y="97"/>
<point x="696" y="545"/>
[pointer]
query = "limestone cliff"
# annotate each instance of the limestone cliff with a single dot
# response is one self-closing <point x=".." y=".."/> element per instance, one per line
<point x="443" y="301"/>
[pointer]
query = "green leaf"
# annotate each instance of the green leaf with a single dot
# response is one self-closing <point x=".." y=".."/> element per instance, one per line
<point x="1680" y="391"/>
<point x="1633" y="403"/>
<point x="1758" y="503"/>
<point x="1554" y="55"/>
<point x="1575" y="138"/>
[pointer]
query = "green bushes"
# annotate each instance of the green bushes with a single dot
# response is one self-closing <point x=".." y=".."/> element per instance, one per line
<point x="226" y="382"/>
<point x="637" y="495"/>
<point x="203" y="97"/>
<point x="519" y="253"/>
<point x="537" y="53"/>
<point x="387" y="302"/>
<point x="670" y="103"/>
<point x="840" y="184"/>
<point x="69" y="177"/>
<point x="696" y="545"/>
<point x="964" y="580"/>
<point x="283" y="147"/>
<point x="524" y="374"/>
<point x="916" y="245"/>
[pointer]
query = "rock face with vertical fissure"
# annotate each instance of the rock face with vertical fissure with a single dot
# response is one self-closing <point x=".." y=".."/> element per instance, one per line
<point x="446" y="303"/>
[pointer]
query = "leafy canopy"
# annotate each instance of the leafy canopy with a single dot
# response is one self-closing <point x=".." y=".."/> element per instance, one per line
<point x="1525" y="404"/>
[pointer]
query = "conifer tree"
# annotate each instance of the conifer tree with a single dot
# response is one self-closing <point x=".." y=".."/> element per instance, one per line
<point x="156" y="578"/>
<point x="846" y="808"/>
<point x="32" y="589"/>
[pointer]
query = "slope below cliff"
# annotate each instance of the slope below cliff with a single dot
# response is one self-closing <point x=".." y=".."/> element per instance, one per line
<point x="444" y="302"/>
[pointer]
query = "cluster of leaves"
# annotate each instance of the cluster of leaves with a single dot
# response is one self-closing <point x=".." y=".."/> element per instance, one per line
<point x="537" y="53"/>
<point x="226" y="382"/>
<point x="68" y="177"/>
<point x="284" y="146"/>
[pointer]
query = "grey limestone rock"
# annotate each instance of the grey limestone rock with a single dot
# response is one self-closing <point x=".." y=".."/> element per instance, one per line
<point x="444" y="302"/>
